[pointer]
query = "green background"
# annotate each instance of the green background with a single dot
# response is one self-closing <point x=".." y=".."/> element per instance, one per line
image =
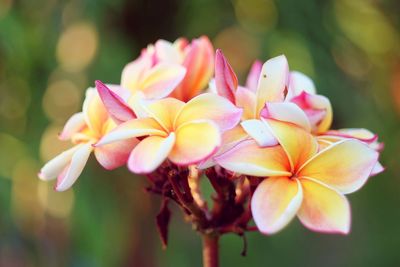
<point x="51" y="51"/>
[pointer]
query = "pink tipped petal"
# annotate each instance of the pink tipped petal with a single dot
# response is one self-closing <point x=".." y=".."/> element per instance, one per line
<point x="318" y="109"/>
<point x="250" y="159"/>
<point x="78" y="161"/>
<point x="273" y="81"/>
<point x="324" y="209"/>
<point x="299" y="82"/>
<point x="298" y="144"/>
<point x="286" y="112"/>
<point x="259" y="132"/>
<point x="225" y="78"/>
<point x="161" y="80"/>
<point x="54" y="167"/>
<point x="345" y="165"/>
<point x="115" y="155"/>
<point x="360" y="134"/>
<point x="75" y="124"/>
<point x="254" y="74"/>
<point x="275" y="203"/>
<point x="199" y="63"/>
<point x="132" y="128"/>
<point x="209" y="106"/>
<point x="116" y="107"/>
<point x="195" y="141"/>
<point x="246" y="100"/>
<point x="150" y="153"/>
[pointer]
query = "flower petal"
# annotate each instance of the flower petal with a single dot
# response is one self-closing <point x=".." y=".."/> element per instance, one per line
<point x="166" y="52"/>
<point x="246" y="100"/>
<point x="298" y="144"/>
<point x="150" y="153"/>
<point x="161" y="80"/>
<point x="94" y="111"/>
<point x="199" y="63"/>
<point x="132" y="128"/>
<point x="318" y="109"/>
<point x="213" y="107"/>
<point x="134" y="71"/>
<point x="299" y="82"/>
<point x="324" y="209"/>
<point x="118" y="110"/>
<point x="55" y="166"/>
<point x="195" y="141"/>
<point x="378" y="168"/>
<point x="78" y="161"/>
<point x="260" y="132"/>
<point x="287" y="112"/>
<point x="72" y="126"/>
<point x="225" y="78"/>
<point x="273" y="81"/>
<point x="250" y="159"/>
<point x="230" y="138"/>
<point x="254" y="75"/>
<point x="164" y="111"/>
<point x="115" y="155"/>
<point x="345" y="165"/>
<point x="275" y="203"/>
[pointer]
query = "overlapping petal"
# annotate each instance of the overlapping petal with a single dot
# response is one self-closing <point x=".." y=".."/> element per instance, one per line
<point x="75" y="124"/>
<point x="150" y="153"/>
<point x="55" y="166"/>
<point x="246" y="100"/>
<point x="133" y="128"/>
<point x="299" y="82"/>
<point x="318" y="109"/>
<point x="161" y="80"/>
<point x="273" y="81"/>
<point x="225" y="78"/>
<point x="324" y="209"/>
<point x="298" y="144"/>
<point x="260" y="132"/>
<point x="345" y="165"/>
<point x="94" y="112"/>
<point x="72" y="171"/>
<point x="115" y="155"/>
<point x="117" y="108"/>
<point x="275" y="203"/>
<point x="250" y="159"/>
<point x="209" y="106"/>
<point x="195" y="141"/>
<point x="286" y="112"/>
<point x="253" y="76"/>
<point x="199" y="62"/>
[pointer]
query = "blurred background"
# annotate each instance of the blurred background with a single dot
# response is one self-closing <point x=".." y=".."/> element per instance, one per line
<point x="51" y="51"/>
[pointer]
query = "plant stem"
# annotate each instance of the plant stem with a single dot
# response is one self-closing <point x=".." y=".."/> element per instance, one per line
<point x="210" y="250"/>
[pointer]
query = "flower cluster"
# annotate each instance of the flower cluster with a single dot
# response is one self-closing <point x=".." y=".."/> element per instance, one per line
<point x="266" y="147"/>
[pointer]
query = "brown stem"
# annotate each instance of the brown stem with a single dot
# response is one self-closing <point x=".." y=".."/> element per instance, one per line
<point x="210" y="250"/>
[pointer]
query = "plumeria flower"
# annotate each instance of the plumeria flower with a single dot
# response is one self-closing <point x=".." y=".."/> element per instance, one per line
<point x="279" y="95"/>
<point x="184" y="133"/>
<point x="168" y="59"/>
<point x="301" y="179"/>
<point x="84" y="129"/>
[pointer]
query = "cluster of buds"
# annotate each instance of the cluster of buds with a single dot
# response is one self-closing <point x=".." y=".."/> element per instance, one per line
<point x="266" y="148"/>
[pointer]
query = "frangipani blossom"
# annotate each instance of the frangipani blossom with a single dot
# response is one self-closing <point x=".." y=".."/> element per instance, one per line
<point x="277" y="94"/>
<point x="167" y="60"/>
<point x="185" y="133"/>
<point x="301" y="179"/>
<point x="84" y="129"/>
